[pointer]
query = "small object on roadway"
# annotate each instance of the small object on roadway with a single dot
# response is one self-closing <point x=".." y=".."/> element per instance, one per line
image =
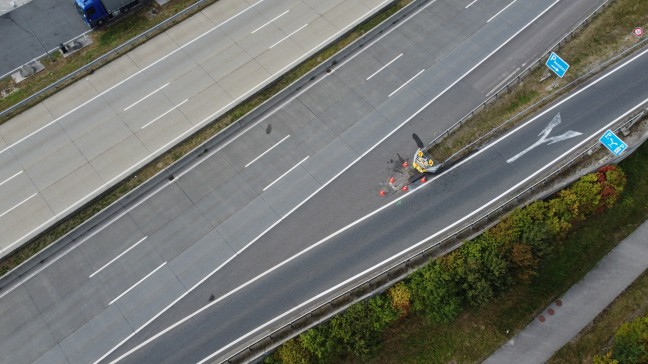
<point x="423" y="162"/>
<point x="405" y="188"/>
<point x="638" y="31"/>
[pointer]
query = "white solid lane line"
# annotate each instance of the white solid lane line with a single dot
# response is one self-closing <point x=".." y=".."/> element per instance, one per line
<point x="425" y="240"/>
<point x="10" y="178"/>
<point x="267" y="150"/>
<point x="129" y="77"/>
<point x="499" y="12"/>
<point x="117" y="257"/>
<point x="264" y="25"/>
<point x="139" y="329"/>
<point x="405" y="84"/>
<point x="288" y="171"/>
<point x="161" y="116"/>
<point x="19" y="203"/>
<point x="136" y="284"/>
<point x="289" y="35"/>
<point x="469" y="5"/>
<point x="194" y="127"/>
<point x="385" y="66"/>
<point x="145" y="97"/>
<point x="139" y="346"/>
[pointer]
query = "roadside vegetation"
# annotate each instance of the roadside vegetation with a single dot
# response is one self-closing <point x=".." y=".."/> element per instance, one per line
<point x="451" y="309"/>
<point x="598" y="342"/>
<point x="128" y="28"/>
<point x="463" y="306"/>
<point x="606" y="36"/>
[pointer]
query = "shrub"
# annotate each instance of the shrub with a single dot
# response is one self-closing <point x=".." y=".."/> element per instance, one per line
<point x="631" y="342"/>
<point x="293" y="352"/>
<point x="400" y="297"/>
<point x="435" y="293"/>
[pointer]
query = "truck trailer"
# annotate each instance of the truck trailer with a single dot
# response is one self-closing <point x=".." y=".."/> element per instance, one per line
<point x="99" y="12"/>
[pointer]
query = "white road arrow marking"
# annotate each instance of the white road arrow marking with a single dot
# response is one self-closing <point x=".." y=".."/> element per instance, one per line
<point x="543" y="137"/>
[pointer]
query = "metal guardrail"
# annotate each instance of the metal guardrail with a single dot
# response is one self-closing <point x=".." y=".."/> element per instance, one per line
<point x="399" y="270"/>
<point x="76" y="236"/>
<point x="522" y="76"/>
<point x="97" y="62"/>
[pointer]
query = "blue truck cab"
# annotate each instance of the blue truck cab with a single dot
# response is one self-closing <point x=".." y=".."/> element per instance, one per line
<point x="99" y="12"/>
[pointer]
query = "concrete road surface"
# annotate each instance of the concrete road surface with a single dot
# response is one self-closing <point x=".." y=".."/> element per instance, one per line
<point x="255" y="293"/>
<point x="537" y="342"/>
<point x="122" y="278"/>
<point x="73" y="146"/>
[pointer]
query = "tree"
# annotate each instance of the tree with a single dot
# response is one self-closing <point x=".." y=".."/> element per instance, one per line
<point x="358" y="329"/>
<point x="318" y="341"/>
<point x="435" y="293"/>
<point x="400" y="297"/>
<point x="293" y="352"/>
<point x="524" y="260"/>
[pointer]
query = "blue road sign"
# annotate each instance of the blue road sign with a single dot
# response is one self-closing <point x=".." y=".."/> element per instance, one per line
<point x="613" y="142"/>
<point x="557" y="64"/>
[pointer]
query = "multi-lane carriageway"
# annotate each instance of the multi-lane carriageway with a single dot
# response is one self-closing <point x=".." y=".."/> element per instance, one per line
<point x="238" y="212"/>
<point x="75" y="145"/>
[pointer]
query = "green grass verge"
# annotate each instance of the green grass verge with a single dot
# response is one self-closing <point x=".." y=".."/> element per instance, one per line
<point x="480" y="331"/>
<point x="597" y="337"/>
<point x="105" y="39"/>
<point x="606" y="36"/>
<point x="66" y="225"/>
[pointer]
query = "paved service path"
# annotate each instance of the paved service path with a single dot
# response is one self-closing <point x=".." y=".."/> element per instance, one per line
<point x="82" y="304"/>
<point x="537" y="342"/>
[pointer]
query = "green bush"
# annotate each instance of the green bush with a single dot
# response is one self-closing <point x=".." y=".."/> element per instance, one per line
<point x="435" y="292"/>
<point x="473" y="275"/>
<point x="293" y="352"/>
<point x="631" y="342"/>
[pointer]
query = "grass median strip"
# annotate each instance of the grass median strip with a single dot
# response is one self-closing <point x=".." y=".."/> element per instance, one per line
<point x="162" y="162"/>
<point x="480" y="330"/>
<point x="606" y="36"/>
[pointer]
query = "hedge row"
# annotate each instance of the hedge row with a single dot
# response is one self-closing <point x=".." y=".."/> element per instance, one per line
<point x="473" y="275"/>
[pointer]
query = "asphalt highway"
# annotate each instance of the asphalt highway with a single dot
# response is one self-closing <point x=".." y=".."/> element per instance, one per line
<point x="300" y="173"/>
<point x="466" y="190"/>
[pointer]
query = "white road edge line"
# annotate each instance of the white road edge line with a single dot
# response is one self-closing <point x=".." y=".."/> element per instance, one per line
<point x="502" y="82"/>
<point x="136" y="284"/>
<point x="385" y="66"/>
<point x="117" y="257"/>
<point x="165" y="113"/>
<point x="284" y="175"/>
<point x="289" y="35"/>
<point x="10" y="178"/>
<point x="322" y="187"/>
<point x="179" y="137"/>
<point x="267" y="151"/>
<point x="129" y="77"/>
<point x="469" y="5"/>
<point x="499" y="12"/>
<point x="406" y="82"/>
<point x="145" y="97"/>
<point x="471" y="214"/>
<point x="264" y="25"/>
<point x="17" y="205"/>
